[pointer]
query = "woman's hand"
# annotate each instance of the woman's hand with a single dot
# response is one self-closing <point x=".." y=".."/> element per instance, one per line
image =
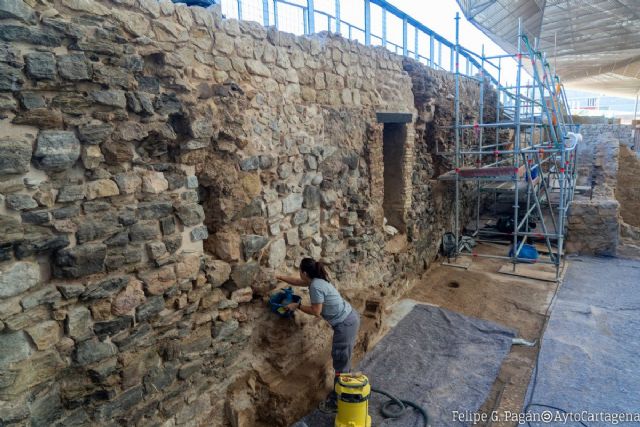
<point x="293" y="306"/>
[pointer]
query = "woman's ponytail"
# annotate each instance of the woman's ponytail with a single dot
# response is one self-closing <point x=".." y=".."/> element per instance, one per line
<point x="321" y="271"/>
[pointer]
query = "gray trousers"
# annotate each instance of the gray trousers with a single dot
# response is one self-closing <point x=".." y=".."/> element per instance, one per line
<point x="344" y="338"/>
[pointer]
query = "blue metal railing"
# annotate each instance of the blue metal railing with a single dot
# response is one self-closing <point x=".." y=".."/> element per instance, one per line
<point x="303" y="17"/>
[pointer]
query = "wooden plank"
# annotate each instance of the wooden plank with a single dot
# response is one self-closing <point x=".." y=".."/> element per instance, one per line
<point x="531" y="271"/>
<point x="488" y="171"/>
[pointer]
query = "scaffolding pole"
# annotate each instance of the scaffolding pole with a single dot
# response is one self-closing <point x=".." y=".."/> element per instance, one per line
<point x="529" y="158"/>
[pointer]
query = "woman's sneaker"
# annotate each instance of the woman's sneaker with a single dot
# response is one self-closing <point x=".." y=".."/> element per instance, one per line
<point x="330" y="404"/>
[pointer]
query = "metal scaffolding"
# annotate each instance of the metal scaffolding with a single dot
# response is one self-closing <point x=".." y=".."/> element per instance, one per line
<point x="527" y="155"/>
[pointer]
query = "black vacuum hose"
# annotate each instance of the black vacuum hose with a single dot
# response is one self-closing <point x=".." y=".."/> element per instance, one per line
<point x="401" y="405"/>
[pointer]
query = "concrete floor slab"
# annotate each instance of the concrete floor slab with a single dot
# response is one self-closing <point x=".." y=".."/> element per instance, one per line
<point x="588" y="358"/>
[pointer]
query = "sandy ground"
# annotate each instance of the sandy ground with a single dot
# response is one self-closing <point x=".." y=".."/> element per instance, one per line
<point x="481" y="292"/>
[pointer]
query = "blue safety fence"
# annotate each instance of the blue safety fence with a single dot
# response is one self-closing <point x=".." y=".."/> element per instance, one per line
<point x="371" y="22"/>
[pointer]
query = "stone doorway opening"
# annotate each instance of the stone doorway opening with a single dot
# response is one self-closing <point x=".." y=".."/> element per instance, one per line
<point x="394" y="137"/>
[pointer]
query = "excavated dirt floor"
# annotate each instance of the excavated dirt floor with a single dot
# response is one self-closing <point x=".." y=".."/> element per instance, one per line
<point x="480" y="291"/>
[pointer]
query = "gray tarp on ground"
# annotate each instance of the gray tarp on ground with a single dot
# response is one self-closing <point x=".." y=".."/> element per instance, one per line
<point x="589" y="355"/>
<point x="440" y="359"/>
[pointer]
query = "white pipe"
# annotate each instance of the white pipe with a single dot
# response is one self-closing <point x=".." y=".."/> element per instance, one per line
<point x="574" y="138"/>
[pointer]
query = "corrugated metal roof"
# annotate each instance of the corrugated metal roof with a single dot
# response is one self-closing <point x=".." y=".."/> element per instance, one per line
<point x="593" y="44"/>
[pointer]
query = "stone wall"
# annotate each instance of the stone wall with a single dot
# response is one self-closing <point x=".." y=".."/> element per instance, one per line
<point x="158" y="166"/>
<point x="594" y="218"/>
<point x="591" y="135"/>
<point x="628" y="186"/>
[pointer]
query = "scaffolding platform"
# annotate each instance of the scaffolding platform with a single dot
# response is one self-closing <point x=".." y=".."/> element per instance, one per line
<point x="499" y="173"/>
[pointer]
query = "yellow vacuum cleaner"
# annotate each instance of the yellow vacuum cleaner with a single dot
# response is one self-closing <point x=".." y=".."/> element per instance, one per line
<point x="353" y="392"/>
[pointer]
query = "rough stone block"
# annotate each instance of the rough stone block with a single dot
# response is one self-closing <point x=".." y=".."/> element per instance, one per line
<point x="105" y="288"/>
<point x="128" y="183"/>
<point x="192" y="182"/>
<point x="258" y="68"/>
<point x="101" y="188"/>
<point x="18" y="278"/>
<point x="300" y="217"/>
<point x="277" y="253"/>
<point x="78" y="324"/>
<point x="41" y="65"/>
<point x="97" y="227"/>
<point x="95" y="133"/>
<point x="20" y="202"/>
<point x="144" y="231"/>
<point x="190" y="214"/>
<point x="31" y="35"/>
<point x="292" y="203"/>
<point x="188" y="268"/>
<point x="188" y="369"/>
<point x="252" y="244"/>
<point x="17" y="9"/>
<point x="130" y="131"/>
<point x="92" y="351"/>
<point x="116" y="153"/>
<point x="110" y="98"/>
<point x="154" y="183"/>
<point x="56" y="150"/>
<point x="292" y="237"/>
<point x="168" y="225"/>
<point x="309" y="230"/>
<point x="150" y="309"/>
<point x="73" y="67"/>
<point x="199" y="233"/>
<point x="15" y="156"/>
<point x="217" y="272"/>
<point x="111" y="76"/>
<point x="311" y="197"/>
<point x="48" y="295"/>
<point x="274" y="209"/>
<point x="250" y="163"/>
<point x="70" y="290"/>
<point x="35" y="217"/>
<point x="70" y="193"/>
<point x="43" y="118"/>
<point x="112" y="327"/>
<point x="45" y="335"/>
<point x="243" y="275"/>
<point x="39" y="244"/>
<point x="128" y="299"/>
<point x="139" y="337"/>
<point x="8" y="103"/>
<point x="80" y="261"/>
<point x="14" y="347"/>
<point x="32" y="100"/>
<point x="157" y="281"/>
<point x="10" y="78"/>
<point x="242" y="295"/>
<point x="91" y="156"/>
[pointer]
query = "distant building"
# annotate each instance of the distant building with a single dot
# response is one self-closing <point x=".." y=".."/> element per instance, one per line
<point x="597" y="105"/>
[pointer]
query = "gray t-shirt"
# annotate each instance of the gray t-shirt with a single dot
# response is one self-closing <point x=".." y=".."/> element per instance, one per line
<point x="334" y="308"/>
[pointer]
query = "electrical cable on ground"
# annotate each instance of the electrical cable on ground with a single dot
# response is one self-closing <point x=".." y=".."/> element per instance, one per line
<point x="401" y="405"/>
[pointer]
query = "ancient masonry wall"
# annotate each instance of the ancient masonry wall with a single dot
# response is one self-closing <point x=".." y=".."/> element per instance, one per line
<point x="158" y="166"/>
<point x="591" y="135"/>
<point x="594" y="218"/>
